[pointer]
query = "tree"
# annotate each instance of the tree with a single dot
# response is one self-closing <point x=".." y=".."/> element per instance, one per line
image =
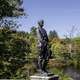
<point x="11" y="8"/>
<point x="53" y="34"/>
<point x="33" y="31"/>
<point x="14" y="48"/>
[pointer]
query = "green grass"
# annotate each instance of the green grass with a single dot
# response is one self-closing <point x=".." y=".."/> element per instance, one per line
<point x="61" y="74"/>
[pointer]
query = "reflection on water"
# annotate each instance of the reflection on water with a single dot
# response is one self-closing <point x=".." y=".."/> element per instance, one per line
<point x="73" y="73"/>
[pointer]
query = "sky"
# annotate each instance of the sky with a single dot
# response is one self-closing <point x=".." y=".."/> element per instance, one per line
<point x="59" y="15"/>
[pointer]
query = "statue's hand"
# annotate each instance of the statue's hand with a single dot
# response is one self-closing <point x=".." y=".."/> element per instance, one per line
<point x="39" y="45"/>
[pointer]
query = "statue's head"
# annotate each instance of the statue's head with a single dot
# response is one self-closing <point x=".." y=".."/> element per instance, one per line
<point x="41" y="23"/>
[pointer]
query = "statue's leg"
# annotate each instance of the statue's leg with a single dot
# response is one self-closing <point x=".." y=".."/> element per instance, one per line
<point x="40" y="64"/>
<point x="45" y="65"/>
<point x="45" y="59"/>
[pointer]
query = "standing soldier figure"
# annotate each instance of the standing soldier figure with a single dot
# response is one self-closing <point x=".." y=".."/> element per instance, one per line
<point x="43" y="45"/>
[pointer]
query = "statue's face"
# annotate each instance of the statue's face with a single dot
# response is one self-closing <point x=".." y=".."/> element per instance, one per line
<point x="41" y="23"/>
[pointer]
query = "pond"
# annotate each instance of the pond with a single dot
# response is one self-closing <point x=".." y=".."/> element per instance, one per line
<point x="72" y="72"/>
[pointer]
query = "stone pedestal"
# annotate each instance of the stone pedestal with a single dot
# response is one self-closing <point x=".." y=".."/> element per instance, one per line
<point x="37" y="77"/>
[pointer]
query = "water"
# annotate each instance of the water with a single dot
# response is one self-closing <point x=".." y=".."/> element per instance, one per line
<point x="73" y="73"/>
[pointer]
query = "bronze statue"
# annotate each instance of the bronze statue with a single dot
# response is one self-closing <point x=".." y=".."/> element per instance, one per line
<point x="43" y="45"/>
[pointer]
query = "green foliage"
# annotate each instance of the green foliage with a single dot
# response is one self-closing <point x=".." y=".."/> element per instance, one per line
<point x="57" y="48"/>
<point x="13" y="54"/>
<point x="61" y="74"/>
<point x="33" y="31"/>
<point x="11" y="8"/>
<point x="53" y="34"/>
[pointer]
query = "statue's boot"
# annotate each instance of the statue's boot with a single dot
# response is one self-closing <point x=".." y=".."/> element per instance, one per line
<point x="48" y="73"/>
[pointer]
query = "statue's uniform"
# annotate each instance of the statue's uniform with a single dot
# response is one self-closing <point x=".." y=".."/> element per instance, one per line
<point x="43" y="47"/>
